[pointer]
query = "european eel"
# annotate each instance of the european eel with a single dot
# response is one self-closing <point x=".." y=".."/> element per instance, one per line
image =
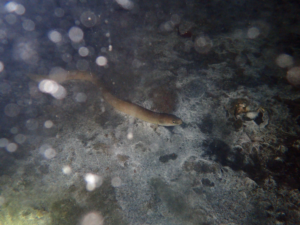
<point x="129" y="108"/>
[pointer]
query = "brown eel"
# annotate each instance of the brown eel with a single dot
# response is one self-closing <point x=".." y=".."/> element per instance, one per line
<point x="129" y="108"/>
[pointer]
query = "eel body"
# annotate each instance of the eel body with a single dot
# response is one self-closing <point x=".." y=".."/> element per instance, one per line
<point x="128" y="108"/>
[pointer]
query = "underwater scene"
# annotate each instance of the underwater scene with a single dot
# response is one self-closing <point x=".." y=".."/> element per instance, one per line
<point x="161" y="112"/>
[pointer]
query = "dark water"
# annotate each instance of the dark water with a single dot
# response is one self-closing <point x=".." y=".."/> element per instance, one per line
<point x="230" y="70"/>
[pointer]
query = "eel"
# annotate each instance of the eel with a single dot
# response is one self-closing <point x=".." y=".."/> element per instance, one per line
<point x="128" y="108"/>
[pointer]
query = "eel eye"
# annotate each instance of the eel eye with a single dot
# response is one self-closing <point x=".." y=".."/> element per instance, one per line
<point x="174" y="121"/>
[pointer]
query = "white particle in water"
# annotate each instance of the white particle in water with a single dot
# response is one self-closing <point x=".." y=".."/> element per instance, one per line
<point x="2" y="200"/>
<point x="59" y="12"/>
<point x="66" y="57"/>
<point x="20" y="138"/>
<point x="101" y="61"/>
<point x="126" y="4"/>
<point x="88" y="19"/>
<point x="48" y="124"/>
<point x="20" y="10"/>
<point x="12" y="110"/>
<point x="31" y="124"/>
<point x="14" y="130"/>
<point x="11" y="19"/>
<point x="67" y="170"/>
<point x="28" y="25"/>
<point x="55" y="36"/>
<point x="48" y="86"/>
<point x="284" y="60"/>
<point x="3" y="34"/>
<point x="11" y="6"/>
<point x="82" y="64"/>
<point x="60" y="93"/>
<point x="253" y="32"/>
<point x="92" y="181"/>
<point x="116" y="182"/>
<point x="1" y="66"/>
<point x="129" y="136"/>
<point x="83" y="51"/>
<point x="75" y="34"/>
<point x="92" y="218"/>
<point x="47" y="151"/>
<point x="12" y="147"/>
<point x="3" y="142"/>
<point x="50" y="153"/>
<point x="80" y="97"/>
